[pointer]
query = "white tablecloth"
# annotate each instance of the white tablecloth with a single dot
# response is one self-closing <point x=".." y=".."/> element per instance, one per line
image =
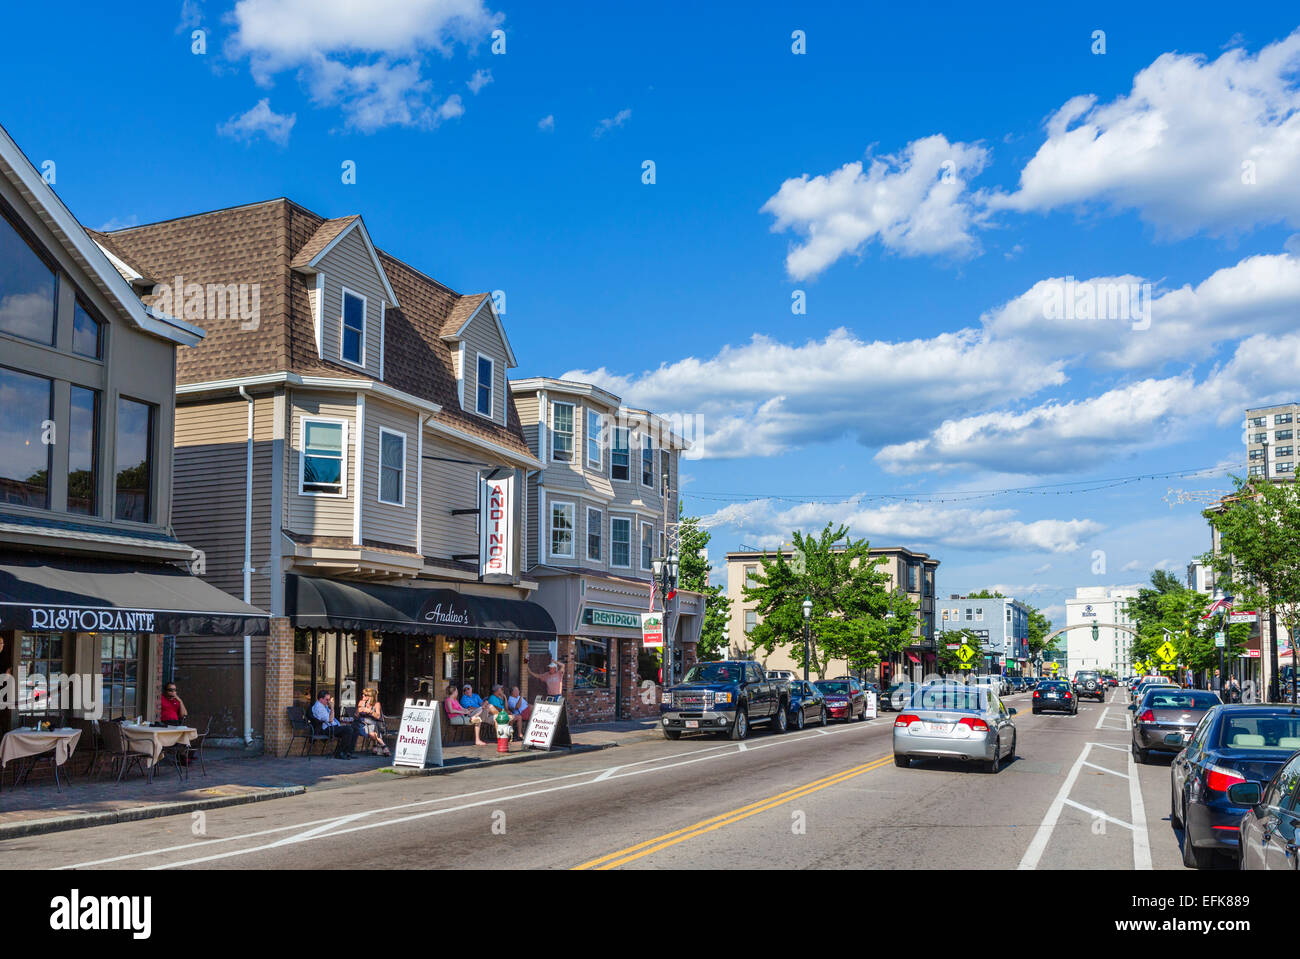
<point x="19" y="743"/>
<point x="152" y="740"/>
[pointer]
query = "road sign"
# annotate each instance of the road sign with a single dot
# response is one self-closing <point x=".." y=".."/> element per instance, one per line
<point x="954" y="645"/>
<point x="964" y="653"/>
<point x="1168" y="668"/>
<point x="1245" y="616"/>
<point x="1167" y="652"/>
<point x="1219" y="640"/>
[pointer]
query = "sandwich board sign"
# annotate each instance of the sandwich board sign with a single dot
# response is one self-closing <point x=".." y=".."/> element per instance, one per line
<point x="419" y="738"/>
<point x="548" y="725"/>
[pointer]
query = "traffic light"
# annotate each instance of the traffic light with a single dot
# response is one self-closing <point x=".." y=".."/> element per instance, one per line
<point x="1096" y="633"/>
<point x="678" y="662"/>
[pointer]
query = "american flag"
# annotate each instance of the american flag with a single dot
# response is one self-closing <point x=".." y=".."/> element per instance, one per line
<point x="1219" y="605"/>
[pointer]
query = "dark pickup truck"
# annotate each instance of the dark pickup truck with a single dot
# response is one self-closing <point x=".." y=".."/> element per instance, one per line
<point x="727" y="697"/>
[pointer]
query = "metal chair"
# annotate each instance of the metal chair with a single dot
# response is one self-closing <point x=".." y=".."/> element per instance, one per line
<point x="185" y="753"/>
<point x="120" y="752"/>
<point x="298" y="725"/>
<point x="89" y="741"/>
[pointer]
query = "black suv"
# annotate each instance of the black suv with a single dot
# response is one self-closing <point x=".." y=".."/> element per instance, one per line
<point x="1088" y="682"/>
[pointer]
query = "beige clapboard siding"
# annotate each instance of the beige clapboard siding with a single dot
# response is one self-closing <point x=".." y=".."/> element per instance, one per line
<point x="532" y="557"/>
<point x="349" y="265"/>
<point x="526" y="404"/>
<point x="449" y="486"/>
<point x="320" y="515"/>
<point x="382" y="521"/>
<point x="209" y="490"/>
<point x="481" y="336"/>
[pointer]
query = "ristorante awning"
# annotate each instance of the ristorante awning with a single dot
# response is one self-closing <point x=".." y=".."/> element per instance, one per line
<point x="57" y="594"/>
<point x="315" y="603"/>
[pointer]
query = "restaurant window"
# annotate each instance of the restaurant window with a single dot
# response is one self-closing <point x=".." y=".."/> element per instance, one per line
<point x="648" y="462"/>
<point x="592" y="664"/>
<point x="322" y="463"/>
<point x="83" y="452"/>
<point x="118" y="665"/>
<point x="392" y="467"/>
<point x="595" y="524"/>
<point x="40" y="656"/>
<point x="27" y="288"/>
<point x="135" y="430"/>
<point x="620" y="456"/>
<point x="353" y="333"/>
<point x="620" y="542"/>
<point x="26" y="403"/>
<point x="647" y="545"/>
<point x="562" y="432"/>
<point x="87" y="333"/>
<point x="562" y="530"/>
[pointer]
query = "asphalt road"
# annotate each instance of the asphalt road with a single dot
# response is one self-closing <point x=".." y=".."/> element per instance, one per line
<point x="1073" y="798"/>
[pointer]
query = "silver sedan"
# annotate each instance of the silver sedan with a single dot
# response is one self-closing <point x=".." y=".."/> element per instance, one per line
<point x="953" y="721"/>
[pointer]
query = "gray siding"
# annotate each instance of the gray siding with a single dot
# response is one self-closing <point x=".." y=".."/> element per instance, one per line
<point x="449" y="486"/>
<point x="383" y="521"/>
<point x="481" y="336"/>
<point x="349" y="265"/>
<point x="320" y="515"/>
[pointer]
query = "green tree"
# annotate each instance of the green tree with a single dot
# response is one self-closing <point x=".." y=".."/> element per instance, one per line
<point x="1258" y="560"/>
<point x="949" y="661"/>
<point x="693" y="574"/>
<point x="1039" y="627"/>
<point x="851" y="603"/>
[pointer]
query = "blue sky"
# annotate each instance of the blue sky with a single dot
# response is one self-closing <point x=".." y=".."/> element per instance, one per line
<point x="999" y="155"/>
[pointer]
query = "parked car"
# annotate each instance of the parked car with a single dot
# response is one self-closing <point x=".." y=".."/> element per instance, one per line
<point x="807" y="705"/>
<point x="1019" y="684"/>
<point x="726" y="697"/>
<point x="1087" y="682"/>
<point x="1164" y="710"/>
<point x="786" y="674"/>
<point x="1233" y="744"/>
<point x="844" y="698"/>
<point x="955" y="721"/>
<point x="1270" y="831"/>
<point x="1055" y="695"/>
<point x="896" y="696"/>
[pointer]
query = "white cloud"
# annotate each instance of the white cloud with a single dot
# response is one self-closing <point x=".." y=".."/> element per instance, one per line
<point x="612" y="123"/>
<point x="479" y="80"/>
<point x="191" y="16"/>
<point x="1043" y="569"/>
<point x="768" y="522"/>
<point x="913" y="204"/>
<point x="1173" y="148"/>
<point x="276" y="127"/>
<point x="365" y="58"/>
<point x="547" y="123"/>
<point x="450" y="108"/>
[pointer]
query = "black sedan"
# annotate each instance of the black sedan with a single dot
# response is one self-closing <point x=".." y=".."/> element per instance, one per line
<point x="1056" y="695"/>
<point x="844" y="698"/>
<point x="1270" y="832"/>
<point x="1233" y="744"/>
<point x="1166" y="710"/>
<point x="807" y="705"/>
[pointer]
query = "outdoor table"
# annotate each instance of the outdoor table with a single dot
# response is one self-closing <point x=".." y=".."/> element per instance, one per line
<point x="25" y="743"/>
<point x="152" y="740"/>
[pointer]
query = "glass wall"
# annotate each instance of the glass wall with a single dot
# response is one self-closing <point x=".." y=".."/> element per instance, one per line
<point x="83" y="444"/>
<point x="27" y="289"/>
<point x="25" y="439"/>
<point x="135" y="429"/>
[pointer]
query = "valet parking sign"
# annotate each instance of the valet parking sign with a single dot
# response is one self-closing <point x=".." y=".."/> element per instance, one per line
<point x="419" y="740"/>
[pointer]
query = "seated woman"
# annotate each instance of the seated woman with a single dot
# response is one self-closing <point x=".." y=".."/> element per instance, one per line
<point x="498" y="703"/>
<point x="458" y="715"/>
<point x="370" y="715"/>
<point x="518" y="706"/>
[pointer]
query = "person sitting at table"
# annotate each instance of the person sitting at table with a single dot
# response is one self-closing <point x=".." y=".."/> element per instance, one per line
<point x="171" y="709"/>
<point x="323" y="713"/>
<point x="370" y="715"/>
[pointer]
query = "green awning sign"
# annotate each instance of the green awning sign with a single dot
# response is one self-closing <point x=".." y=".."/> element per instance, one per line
<point x="593" y="616"/>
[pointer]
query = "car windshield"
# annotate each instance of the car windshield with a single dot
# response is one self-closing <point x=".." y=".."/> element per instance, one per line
<point x="713" y="673"/>
<point x="966" y="699"/>
<point x="1052" y="684"/>
<point x="832" y="686"/>
<point x="1158" y="698"/>
<point x="1260" y="730"/>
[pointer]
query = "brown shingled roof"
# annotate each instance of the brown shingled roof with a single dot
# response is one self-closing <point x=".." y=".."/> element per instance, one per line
<point x="107" y="243"/>
<point x="461" y="312"/>
<point x="323" y="237"/>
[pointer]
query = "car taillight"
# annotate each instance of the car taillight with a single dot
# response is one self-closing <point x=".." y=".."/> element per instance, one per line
<point x="1147" y="717"/>
<point x="906" y="720"/>
<point x="1035" y="694"/>
<point x="1218" y="779"/>
<point x="1067" y="695"/>
<point x="978" y="725"/>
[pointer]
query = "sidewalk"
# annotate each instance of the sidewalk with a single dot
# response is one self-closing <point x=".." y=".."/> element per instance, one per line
<point x="235" y="777"/>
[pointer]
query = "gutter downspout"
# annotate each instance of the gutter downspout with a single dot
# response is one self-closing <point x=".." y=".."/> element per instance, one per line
<point x="248" y="571"/>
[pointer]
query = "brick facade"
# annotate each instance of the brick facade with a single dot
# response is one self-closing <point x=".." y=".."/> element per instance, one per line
<point x="279" y="685"/>
<point x="598" y="705"/>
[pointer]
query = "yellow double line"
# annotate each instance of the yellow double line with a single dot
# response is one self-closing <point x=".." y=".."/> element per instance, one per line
<point x="651" y="846"/>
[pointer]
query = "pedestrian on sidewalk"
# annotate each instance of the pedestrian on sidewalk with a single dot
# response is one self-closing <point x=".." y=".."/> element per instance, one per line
<point x="553" y="678"/>
<point x="346" y="736"/>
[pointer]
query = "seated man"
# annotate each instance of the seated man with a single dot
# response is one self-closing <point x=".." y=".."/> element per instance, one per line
<point x="323" y="713"/>
<point x="171" y="709"/>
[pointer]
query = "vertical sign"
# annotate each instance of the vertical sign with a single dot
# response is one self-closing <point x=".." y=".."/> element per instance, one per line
<point x="496" y="527"/>
<point x="652" y="630"/>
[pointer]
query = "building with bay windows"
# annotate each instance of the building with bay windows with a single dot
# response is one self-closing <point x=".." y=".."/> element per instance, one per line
<point x="348" y="456"/>
<point x="601" y="509"/>
<point x="93" y="582"/>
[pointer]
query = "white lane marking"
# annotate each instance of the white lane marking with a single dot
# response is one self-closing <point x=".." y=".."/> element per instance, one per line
<point x="1044" y="834"/>
<point x="720" y="751"/>
<point x="1105" y="770"/>
<point x="317" y="831"/>
<point x="741" y="748"/>
<point x="1098" y="814"/>
<point x="1122" y="749"/>
<point x="1102" y="718"/>
<point x="1141" y="838"/>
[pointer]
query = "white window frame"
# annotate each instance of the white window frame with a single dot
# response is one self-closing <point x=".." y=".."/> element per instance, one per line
<point x="612" y="521"/>
<point x="599" y="461"/>
<point x="344" y="293"/>
<point x="651" y="527"/>
<point x="600" y="523"/>
<point x="492" y="385"/>
<point x="613" y="441"/>
<point x="749" y="627"/>
<point x="647" y="446"/>
<point x="303" y="420"/>
<point x="379" y="467"/>
<point x="573" y="433"/>
<point x="550" y="528"/>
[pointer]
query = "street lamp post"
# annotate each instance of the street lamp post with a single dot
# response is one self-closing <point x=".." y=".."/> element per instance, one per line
<point x="665" y="572"/>
<point x="807" y="620"/>
<point x="1223" y="623"/>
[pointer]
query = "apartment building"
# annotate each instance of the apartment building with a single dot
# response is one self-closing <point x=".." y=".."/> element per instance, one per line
<point x="1002" y="625"/>
<point x="1200" y="577"/>
<point x="348" y="455"/>
<point x="600" y="510"/>
<point x="1271" y="441"/>
<point x="93" y="581"/>
<point x="908" y="570"/>
<point x="1106" y="607"/>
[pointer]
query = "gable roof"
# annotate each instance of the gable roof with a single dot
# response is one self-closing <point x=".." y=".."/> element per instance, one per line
<point x="329" y="235"/>
<point x="463" y="315"/>
<point x="46" y="204"/>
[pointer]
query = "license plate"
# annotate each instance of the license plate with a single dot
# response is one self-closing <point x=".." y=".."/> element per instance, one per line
<point x="1051" y="696"/>
<point x="938" y="727"/>
<point x="692" y="724"/>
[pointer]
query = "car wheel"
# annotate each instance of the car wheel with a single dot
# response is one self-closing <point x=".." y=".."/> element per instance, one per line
<point x="991" y="765"/>
<point x="672" y="734"/>
<point x="798" y="719"/>
<point x="902" y="762"/>
<point x="1194" y="858"/>
<point x="1014" y="738"/>
<point x="862" y="716"/>
<point x="826" y="719"/>
<point x="740" y="728"/>
<point x="781" y="721"/>
<point x="1174" y="819"/>
<point x="1037" y="711"/>
<point x="1140" y="755"/>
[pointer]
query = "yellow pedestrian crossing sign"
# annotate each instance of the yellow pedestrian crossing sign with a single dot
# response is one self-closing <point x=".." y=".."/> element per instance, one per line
<point x="964" y="653"/>
<point x="1167" y="652"/>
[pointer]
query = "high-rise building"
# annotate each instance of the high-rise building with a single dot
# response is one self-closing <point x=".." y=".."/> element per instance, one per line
<point x="1105" y="607"/>
<point x="1270" y="441"/>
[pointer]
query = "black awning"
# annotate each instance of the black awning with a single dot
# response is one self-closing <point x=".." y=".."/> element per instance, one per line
<point x="102" y="596"/>
<point x="314" y="603"/>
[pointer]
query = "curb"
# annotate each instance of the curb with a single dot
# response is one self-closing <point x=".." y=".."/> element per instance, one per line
<point x="485" y="763"/>
<point x="38" y="827"/>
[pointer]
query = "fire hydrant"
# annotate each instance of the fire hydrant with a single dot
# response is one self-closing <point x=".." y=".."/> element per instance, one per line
<point x="503" y="737"/>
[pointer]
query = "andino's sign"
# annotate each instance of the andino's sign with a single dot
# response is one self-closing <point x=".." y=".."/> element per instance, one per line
<point x="447" y="615"/>
<point x="591" y="616"/>
<point x="92" y="620"/>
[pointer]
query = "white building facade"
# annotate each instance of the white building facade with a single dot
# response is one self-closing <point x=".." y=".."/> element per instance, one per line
<point x="1107" y="608"/>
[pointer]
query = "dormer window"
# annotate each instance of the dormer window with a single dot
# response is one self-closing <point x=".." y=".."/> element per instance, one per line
<point x="353" y="345"/>
<point x="485" y="377"/>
